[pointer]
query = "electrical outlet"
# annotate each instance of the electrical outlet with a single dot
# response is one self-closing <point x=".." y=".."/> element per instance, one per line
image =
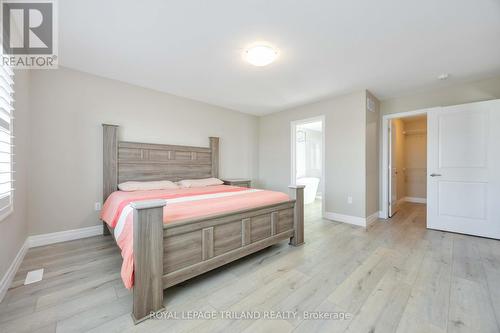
<point x="97" y="206"/>
<point x="349" y="200"/>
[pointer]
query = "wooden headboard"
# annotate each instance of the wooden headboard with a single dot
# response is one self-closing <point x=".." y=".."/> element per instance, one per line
<point x="124" y="161"/>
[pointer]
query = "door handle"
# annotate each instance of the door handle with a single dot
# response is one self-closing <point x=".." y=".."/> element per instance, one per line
<point x="436" y="175"/>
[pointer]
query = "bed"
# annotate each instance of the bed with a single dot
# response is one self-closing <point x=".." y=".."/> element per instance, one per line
<point x="179" y="234"/>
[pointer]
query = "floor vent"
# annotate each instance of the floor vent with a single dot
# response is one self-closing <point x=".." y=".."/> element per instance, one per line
<point x="34" y="276"/>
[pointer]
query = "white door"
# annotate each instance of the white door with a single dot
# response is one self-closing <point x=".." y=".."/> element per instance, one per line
<point x="464" y="169"/>
<point x="393" y="171"/>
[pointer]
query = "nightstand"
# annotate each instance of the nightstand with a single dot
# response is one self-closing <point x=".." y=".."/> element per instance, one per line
<point x="242" y="182"/>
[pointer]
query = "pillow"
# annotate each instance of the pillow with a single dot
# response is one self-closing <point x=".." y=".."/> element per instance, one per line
<point x="147" y="186"/>
<point x="199" y="182"/>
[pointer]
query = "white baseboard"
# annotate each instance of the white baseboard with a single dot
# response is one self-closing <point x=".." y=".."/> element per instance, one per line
<point x="415" y="200"/>
<point x="40" y="240"/>
<point x="64" y="236"/>
<point x="355" y="220"/>
<point x="11" y="272"/>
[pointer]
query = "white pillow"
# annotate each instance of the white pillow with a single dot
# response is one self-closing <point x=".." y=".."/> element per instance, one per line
<point x="199" y="182"/>
<point x="147" y="186"/>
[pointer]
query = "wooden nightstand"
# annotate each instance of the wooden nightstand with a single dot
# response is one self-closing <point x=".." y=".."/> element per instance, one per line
<point x="242" y="182"/>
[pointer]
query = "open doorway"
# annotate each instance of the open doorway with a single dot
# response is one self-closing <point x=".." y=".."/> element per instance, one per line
<point x="307" y="160"/>
<point x="461" y="173"/>
<point x="407" y="162"/>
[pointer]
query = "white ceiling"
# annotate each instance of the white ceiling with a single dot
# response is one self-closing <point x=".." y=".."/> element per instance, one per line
<point x="327" y="47"/>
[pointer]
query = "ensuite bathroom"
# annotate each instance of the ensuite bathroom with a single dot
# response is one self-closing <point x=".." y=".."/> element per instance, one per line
<point x="309" y="159"/>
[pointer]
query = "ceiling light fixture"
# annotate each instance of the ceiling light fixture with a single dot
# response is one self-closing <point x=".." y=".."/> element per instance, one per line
<point x="260" y="54"/>
<point x="443" y="76"/>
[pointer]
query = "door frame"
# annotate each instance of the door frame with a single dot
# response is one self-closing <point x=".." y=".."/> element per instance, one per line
<point x="293" y="151"/>
<point x="390" y="171"/>
<point x="384" y="170"/>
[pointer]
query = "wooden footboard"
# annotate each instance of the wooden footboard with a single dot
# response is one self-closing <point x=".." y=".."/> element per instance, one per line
<point x="165" y="255"/>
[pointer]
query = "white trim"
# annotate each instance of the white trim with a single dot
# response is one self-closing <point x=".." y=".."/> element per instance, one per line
<point x="10" y="209"/>
<point x="381" y="215"/>
<point x="293" y="125"/>
<point x="385" y="154"/>
<point x="64" y="236"/>
<point x="415" y="200"/>
<point x="408" y="113"/>
<point x="355" y="220"/>
<point x="11" y="272"/>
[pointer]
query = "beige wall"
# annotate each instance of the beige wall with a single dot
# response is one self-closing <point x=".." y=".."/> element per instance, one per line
<point x="415" y="157"/>
<point x="448" y="95"/>
<point x="372" y="157"/>
<point x="345" y="154"/>
<point x="68" y="108"/>
<point x="14" y="229"/>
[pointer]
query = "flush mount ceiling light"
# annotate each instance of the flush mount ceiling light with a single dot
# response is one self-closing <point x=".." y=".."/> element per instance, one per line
<point x="443" y="76"/>
<point x="260" y="54"/>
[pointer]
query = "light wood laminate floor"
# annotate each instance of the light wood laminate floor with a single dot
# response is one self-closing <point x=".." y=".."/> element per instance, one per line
<point x="395" y="277"/>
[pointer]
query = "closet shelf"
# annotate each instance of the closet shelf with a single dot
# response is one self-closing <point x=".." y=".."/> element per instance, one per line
<point x="415" y="132"/>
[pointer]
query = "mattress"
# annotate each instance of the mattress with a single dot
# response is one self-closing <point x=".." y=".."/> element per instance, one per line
<point x="181" y="205"/>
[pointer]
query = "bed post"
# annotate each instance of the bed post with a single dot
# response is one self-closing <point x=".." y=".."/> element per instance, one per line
<point x="110" y="164"/>
<point x="214" y="147"/>
<point x="148" y="258"/>
<point x="297" y="193"/>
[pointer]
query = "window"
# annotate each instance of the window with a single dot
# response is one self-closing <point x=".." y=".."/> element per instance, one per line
<point x="6" y="110"/>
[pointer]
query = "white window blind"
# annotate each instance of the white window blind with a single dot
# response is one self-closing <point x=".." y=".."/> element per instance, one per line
<point x="6" y="110"/>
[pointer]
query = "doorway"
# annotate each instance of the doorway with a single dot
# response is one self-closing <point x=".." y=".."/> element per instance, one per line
<point x="307" y="159"/>
<point x="407" y="161"/>
<point x="463" y="168"/>
<point x="393" y="130"/>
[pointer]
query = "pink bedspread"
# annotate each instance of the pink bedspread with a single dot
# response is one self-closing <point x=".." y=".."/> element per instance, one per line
<point x="181" y="204"/>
